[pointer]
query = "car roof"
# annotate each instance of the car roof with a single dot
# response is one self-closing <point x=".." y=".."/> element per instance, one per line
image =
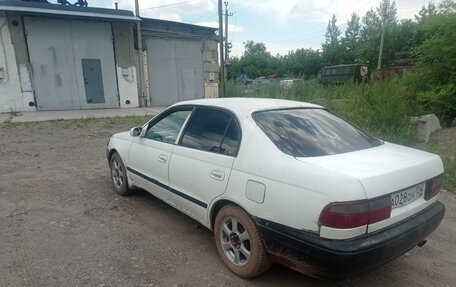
<point x="246" y="106"/>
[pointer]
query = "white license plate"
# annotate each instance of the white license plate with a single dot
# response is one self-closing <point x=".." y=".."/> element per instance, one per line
<point x="404" y="197"/>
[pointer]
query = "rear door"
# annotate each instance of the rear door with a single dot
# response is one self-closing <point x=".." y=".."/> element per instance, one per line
<point x="201" y="163"/>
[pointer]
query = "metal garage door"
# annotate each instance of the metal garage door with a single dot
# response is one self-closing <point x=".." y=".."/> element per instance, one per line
<point x="175" y="70"/>
<point x="73" y="64"/>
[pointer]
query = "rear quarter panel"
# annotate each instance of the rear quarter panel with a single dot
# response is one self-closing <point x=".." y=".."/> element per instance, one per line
<point x="295" y="192"/>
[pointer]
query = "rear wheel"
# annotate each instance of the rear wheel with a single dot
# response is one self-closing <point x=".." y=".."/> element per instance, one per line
<point x="119" y="175"/>
<point x="239" y="243"/>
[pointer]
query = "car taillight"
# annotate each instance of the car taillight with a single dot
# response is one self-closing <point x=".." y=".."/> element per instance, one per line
<point x="355" y="213"/>
<point x="433" y="187"/>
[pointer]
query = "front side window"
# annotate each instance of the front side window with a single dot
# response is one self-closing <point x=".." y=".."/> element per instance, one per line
<point x="212" y="130"/>
<point x="167" y="128"/>
<point x="312" y="132"/>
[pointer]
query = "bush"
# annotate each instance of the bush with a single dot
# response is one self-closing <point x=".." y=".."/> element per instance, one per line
<point x="441" y="101"/>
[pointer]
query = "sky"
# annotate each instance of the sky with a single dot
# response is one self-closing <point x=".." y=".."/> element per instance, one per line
<point x="282" y="25"/>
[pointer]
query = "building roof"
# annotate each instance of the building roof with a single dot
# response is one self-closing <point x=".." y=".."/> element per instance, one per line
<point x="57" y="10"/>
<point x="158" y="27"/>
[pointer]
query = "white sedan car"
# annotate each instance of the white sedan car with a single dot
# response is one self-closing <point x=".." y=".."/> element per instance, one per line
<point x="283" y="181"/>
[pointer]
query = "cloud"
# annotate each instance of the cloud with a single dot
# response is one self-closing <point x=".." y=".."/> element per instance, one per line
<point x="283" y="12"/>
<point x="231" y="27"/>
<point x="168" y="10"/>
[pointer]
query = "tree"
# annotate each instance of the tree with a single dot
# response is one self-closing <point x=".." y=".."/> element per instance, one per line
<point x="250" y="47"/>
<point x="332" y="49"/>
<point x="255" y="62"/>
<point x="369" y="38"/>
<point x="447" y="7"/>
<point x="383" y="16"/>
<point x="437" y="53"/>
<point x="301" y="63"/>
<point x="351" y="40"/>
<point x="435" y="74"/>
<point x="426" y="12"/>
<point x="387" y="12"/>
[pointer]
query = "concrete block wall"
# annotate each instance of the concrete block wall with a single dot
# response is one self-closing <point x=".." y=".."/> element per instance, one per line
<point x="16" y="92"/>
<point x="125" y="64"/>
<point x="210" y="61"/>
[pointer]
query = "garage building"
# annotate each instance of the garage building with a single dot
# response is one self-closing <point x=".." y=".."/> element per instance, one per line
<point x="56" y="57"/>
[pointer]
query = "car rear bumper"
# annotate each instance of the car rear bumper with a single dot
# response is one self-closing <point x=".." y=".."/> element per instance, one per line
<point x="329" y="258"/>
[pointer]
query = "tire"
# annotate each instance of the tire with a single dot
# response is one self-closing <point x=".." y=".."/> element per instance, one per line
<point x="239" y="243"/>
<point x="119" y="175"/>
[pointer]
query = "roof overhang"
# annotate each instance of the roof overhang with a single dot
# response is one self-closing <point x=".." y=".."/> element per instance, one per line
<point x="165" y="28"/>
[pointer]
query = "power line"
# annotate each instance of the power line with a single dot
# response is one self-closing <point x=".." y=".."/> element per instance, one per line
<point x="299" y="38"/>
<point x="168" y="5"/>
<point x="292" y="32"/>
<point x="206" y="15"/>
<point x="250" y="6"/>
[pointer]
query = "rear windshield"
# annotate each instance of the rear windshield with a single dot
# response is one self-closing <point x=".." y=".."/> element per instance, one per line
<point x="312" y="132"/>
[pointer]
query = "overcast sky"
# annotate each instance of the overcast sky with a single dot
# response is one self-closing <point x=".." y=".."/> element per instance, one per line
<point x="283" y="25"/>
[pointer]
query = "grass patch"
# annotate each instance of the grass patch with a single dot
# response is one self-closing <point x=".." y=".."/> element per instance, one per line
<point x="129" y="121"/>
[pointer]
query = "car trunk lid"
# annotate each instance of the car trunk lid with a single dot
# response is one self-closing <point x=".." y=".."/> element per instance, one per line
<point x="390" y="170"/>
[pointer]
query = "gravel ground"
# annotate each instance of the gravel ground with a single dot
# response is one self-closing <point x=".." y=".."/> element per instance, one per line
<point x="62" y="225"/>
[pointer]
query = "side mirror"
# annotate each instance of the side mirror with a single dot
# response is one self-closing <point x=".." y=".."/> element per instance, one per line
<point x="136" y="132"/>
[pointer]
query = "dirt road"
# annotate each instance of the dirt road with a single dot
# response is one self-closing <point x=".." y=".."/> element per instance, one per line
<point x="62" y="225"/>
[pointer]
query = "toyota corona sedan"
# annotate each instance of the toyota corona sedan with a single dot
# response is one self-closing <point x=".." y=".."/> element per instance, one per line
<point x="283" y="181"/>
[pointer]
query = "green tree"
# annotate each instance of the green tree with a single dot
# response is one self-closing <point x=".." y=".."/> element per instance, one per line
<point x="369" y="40"/>
<point x="383" y="16"/>
<point x="301" y="63"/>
<point x="387" y="13"/>
<point x="435" y="74"/>
<point x="351" y="40"/>
<point x="447" y="7"/>
<point x="332" y="49"/>
<point x="437" y="53"/>
<point x="250" y="47"/>
<point x="405" y="37"/>
<point x="255" y="62"/>
<point x="426" y="12"/>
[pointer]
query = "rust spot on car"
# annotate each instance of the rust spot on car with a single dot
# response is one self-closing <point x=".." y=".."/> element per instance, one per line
<point x="287" y="259"/>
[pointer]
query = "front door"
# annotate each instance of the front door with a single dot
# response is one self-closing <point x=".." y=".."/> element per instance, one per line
<point x="150" y="153"/>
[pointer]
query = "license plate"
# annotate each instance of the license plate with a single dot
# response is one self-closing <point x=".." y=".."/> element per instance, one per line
<point x="404" y="197"/>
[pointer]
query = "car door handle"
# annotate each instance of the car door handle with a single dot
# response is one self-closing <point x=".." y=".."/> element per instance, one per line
<point x="217" y="174"/>
<point x="163" y="158"/>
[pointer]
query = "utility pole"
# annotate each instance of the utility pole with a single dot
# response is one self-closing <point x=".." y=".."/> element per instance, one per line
<point x="142" y="96"/>
<point x="222" y="61"/>
<point x="382" y="38"/>
<point x="227" y="45"/>
<point x="226" y="31"/>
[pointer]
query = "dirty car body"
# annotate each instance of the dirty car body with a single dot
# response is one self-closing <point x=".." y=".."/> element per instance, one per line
<point x="283" y="181"/>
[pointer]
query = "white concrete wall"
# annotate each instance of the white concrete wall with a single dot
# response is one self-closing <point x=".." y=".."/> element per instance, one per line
<point x="11" y="97"/>
<point x="128" y="87"/>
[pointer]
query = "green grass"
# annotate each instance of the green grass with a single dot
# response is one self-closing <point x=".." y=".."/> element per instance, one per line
<point x="129" y="121"/>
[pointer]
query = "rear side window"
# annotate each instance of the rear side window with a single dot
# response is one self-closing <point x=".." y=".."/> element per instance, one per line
<point x="212" y="130"/>
<point x="312" y="132"/>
